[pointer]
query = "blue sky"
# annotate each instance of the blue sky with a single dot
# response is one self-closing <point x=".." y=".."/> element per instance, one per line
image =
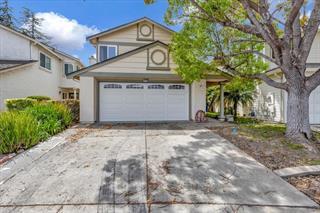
<point x="83" y="17"/>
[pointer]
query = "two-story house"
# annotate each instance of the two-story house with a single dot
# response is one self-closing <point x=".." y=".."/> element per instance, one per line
<point x="133" y="78"/>
<point x="271" y="103"/>
<point x="28" y="67"/>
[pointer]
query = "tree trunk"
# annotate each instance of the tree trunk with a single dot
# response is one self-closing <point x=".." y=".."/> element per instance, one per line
<point x="235" y="109"/>
<point x="298" y="125"/>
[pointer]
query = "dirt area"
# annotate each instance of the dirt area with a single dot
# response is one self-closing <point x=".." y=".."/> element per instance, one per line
<point x="309" y="185"/>
<point x="266" y="143"/>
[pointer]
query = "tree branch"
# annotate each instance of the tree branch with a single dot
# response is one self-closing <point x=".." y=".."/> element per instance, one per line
<point x="313" y="81"/>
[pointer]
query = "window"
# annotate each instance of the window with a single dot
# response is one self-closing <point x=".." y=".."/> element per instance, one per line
<point x="64" y="95"/>
<point x="112" y="86"/>
<point x="68" y="68"/>
<point x="107" y="52"/>
<point x="177" y="87"/>
<point x="45" y="61"/>
<point x="71" y="95"/>
<point x="134" y="86"/>
<point x="156" y="86"/>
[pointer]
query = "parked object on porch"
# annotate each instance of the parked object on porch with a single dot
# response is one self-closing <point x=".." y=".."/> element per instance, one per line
<point x="201" y="116"/>
<point x="229" y="118"/>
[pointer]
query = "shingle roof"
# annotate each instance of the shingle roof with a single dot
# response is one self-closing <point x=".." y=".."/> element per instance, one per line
<point x="10" y="64"/>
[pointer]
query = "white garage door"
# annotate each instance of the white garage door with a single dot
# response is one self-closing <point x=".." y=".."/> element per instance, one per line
<point x="314" y="107"/>
<point x="143" y="102"/>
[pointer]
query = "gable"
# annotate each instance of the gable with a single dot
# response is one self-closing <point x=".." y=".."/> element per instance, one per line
<point x="142" y="31"/>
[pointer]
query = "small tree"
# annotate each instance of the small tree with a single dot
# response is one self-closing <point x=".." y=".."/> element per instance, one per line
<point x="236" y="92"/>
<point x="31" y="26"/>
<point x="6" y="16"/>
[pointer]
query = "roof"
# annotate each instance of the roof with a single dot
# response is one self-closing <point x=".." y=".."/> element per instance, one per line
<point x="116" y="58"/>
<point x="129" y="24"/>
<point x="51" y="49"/>
<point x="7" y="65"/>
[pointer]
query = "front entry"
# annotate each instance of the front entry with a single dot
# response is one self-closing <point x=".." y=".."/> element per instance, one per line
<point x="143" y="101"/>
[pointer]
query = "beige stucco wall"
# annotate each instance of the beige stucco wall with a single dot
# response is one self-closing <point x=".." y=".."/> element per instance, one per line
<point x="88" y="95"/>
<point x="198" y="97"/>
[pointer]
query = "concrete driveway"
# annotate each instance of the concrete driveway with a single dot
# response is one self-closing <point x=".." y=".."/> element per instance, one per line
<point x="175" y="167"/>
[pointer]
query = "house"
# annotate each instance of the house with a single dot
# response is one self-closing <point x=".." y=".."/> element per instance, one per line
<point x="271" y="103"/>
<point x="134" y="79"/>
<point x="28" y="67"/>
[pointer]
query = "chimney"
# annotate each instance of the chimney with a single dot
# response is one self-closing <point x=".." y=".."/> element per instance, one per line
<point x="92" y="60"/>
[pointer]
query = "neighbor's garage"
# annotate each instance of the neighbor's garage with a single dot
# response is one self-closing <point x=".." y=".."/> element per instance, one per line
<point x="143" y="101"/>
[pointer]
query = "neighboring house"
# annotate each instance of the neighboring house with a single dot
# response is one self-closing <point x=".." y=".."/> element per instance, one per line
<point x="271" y="103"/>
<point x="28" y="67"/>
<point x="133" y="78"/>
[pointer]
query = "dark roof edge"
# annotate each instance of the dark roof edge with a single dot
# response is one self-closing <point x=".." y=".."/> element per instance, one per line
<point x="18" y="65"/>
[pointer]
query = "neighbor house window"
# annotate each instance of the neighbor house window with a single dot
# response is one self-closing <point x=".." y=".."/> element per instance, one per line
<point x="68" y="68"/>
<point x="45" y="61"/>
<point x="107" y="51"/>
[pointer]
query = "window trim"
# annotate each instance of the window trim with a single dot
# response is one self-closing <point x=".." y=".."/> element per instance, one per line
<point x="46" y="56"/>
<point x="107" y="45"/>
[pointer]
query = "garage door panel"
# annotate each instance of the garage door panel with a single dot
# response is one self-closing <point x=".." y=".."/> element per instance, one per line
<point x="314" y="106"/>
<point x="143" y="102"/>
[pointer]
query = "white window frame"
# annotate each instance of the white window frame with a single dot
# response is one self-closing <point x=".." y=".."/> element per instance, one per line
<point x="64" y="67"/>
<point x="107" y="45"/>
<point x="46" y="56"/>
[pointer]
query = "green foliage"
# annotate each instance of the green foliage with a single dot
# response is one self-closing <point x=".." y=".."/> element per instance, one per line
<point x="18" y="130"/>
<point x="52" y="118"/>
<point x="236" y="92"/>
<point x="265" y="130"/>
<point x="6" y="14"/>
<point x="245" y="120"/>
<point x="74" y="107"/>
<point x="214" y="115"/>
<point x="19" y="103"/>
<point x="39" y="98"/>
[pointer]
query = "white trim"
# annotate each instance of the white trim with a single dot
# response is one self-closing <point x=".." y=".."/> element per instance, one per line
<point x="106" y="45"/>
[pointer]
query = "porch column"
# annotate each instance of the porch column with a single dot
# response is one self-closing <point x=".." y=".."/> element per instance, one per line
<point x="74" y="94"/>
<point x="221" y="117"/>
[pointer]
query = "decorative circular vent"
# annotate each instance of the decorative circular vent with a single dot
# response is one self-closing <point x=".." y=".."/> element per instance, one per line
<point x="145" y="30"/>
<point x="158" y="57"/>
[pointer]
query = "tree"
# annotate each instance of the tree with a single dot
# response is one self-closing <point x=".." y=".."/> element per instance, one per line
<point x="236" y="92"/>
<point x="31" y="26"/>
<point x="277" y="24"/>
<point x="6" y="16"/>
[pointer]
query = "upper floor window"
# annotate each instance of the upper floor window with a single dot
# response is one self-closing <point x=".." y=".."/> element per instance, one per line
<point x="45" y="61"/>
<point x="107" y="51"/>
<point x="68" y="68"/>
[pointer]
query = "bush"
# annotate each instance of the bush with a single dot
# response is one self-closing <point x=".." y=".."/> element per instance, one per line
<point x="19" y="103"/>
<point x="52" y="118"/>
<point x="74" y="107"/>
<point x="214" y="115"/>
<point x="246" y="120"/>
<point x="39" y="98"/>
<point x="18" y="130"/>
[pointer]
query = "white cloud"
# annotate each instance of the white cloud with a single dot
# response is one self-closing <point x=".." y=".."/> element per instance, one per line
<point x="65" y="34"/>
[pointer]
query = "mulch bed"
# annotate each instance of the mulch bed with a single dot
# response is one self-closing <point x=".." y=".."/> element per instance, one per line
<point x="309" y="185"/>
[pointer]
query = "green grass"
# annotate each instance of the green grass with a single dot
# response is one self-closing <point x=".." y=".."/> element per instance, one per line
<point x="314" y="162"/>
<point x="264" y="130"/>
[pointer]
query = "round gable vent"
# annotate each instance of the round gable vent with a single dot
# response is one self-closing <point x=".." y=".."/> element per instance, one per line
<point x="158" y="57"/>
<point x="145" y="30"/>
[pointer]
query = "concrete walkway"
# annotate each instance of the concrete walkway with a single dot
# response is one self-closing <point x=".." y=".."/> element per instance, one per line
<point x="175" y="167"/>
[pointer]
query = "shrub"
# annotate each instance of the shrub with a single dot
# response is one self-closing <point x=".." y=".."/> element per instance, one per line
<point x="19" y="103"/>
<point x="39" y="98"/>
<point x="214" y="115"/>
<point x="18" y="130"/>
<point x="52" y="118"/>
<point x="246" y="120"/>
<point x="74" y="107"/>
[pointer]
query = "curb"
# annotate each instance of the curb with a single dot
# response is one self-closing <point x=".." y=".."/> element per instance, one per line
<point x="298" y="171"/>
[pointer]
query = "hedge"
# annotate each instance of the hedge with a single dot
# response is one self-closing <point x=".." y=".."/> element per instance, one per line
<point x="23" y="129"/>
<point x="39" y="98"/>
<point x="19" y="103"/>
<point x="18" y="130"/>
